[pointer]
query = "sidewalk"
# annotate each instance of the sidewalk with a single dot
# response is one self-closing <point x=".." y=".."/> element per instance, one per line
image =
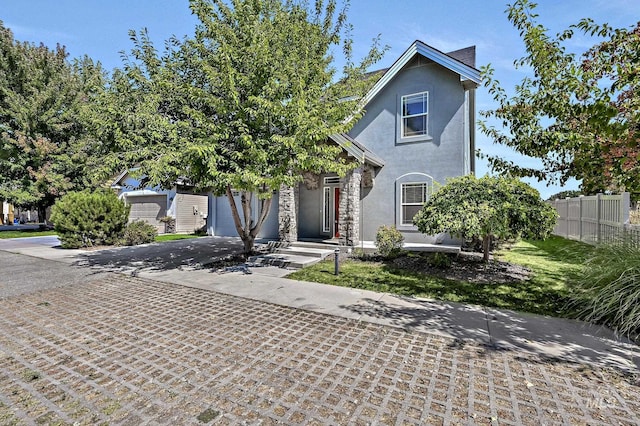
<point x="548" y="337"/>
<point x="569" y="340"/>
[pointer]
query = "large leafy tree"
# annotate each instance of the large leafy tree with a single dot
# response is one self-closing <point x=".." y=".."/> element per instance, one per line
<point x="486" y="208"/>
<point x="246" y="104"/>
<point x="577" y="114"/>
<point x="43" y="147"/>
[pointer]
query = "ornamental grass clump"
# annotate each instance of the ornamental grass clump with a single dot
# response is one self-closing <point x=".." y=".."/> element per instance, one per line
<point x="609" y="287"/>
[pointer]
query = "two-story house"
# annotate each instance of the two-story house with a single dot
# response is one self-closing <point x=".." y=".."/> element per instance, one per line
<point x="418" y="131"/>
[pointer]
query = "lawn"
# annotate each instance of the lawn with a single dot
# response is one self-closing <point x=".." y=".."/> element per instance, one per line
<point x="553" y="264"/>
<point x="174" y="237"/>
<point x="37" y="233"/>
<point x="25" y="233"/>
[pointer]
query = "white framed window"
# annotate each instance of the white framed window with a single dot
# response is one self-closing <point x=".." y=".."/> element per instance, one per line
<point x="332" y="180"/>
<point x="413" y="195"/>
<point x="326" y="209"/>
<point x="415" y="115"/>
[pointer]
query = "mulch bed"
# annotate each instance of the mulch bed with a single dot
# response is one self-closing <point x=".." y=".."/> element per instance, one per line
<point x="465" y="266"/>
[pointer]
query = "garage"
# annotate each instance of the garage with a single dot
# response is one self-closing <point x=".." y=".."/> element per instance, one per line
<point x="149" y="208"/>
<point x="191" y="213"/>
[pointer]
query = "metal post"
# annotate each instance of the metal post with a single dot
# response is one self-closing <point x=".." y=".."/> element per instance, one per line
<point x="336" y="253"/>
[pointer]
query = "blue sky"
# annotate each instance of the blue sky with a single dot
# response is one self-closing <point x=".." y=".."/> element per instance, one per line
<point x="100" y="29"/>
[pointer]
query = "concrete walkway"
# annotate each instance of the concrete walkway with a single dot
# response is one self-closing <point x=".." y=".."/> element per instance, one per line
<point x="182" y="262"/>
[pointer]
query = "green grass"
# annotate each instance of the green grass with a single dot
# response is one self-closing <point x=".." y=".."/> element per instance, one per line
<point x="36" y="233"/>
<point x="174" y="237"/>
<point x="554" y="264"/>
<point x="25" y="233"/>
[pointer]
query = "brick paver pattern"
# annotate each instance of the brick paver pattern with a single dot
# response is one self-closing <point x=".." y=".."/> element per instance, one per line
<point x="123" y="350"/>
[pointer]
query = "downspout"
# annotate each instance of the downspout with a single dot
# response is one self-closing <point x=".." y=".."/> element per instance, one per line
<point x="472" y="129"/>
<point x="212" y="201"/>
<point x="362" y="205"/>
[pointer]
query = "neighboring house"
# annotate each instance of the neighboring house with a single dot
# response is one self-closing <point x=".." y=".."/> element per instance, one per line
<point x="6" y="213"/>
<point x="151" y="205"/>
<point x="418" y="131"/>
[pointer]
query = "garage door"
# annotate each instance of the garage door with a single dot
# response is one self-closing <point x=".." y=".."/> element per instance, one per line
<point x="150" y="208"/>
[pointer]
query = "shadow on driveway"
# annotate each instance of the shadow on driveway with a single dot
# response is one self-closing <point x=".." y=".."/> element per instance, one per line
<point x="554" y="339"/>
<point x="194" y="253"/>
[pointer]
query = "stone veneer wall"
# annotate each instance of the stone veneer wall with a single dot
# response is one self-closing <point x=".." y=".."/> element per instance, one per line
<point x="288" y="214"/>
<point x="349" y="221"/>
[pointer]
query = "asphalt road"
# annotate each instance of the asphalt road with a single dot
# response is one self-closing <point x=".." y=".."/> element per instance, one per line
<point x="20" y="274"/>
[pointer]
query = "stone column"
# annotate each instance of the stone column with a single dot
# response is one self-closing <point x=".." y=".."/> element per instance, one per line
<point x="349" y="221"/>
<point x="288" y="214"/>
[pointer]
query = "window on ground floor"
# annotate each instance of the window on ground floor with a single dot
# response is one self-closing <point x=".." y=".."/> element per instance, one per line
<point x="412" y="198"/>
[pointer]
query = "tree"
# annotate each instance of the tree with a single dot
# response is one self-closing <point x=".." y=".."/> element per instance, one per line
<point x="42" y="95"/>
<point x="247" y="104"/>
<point x="486" y="208"/>
<point x="577" y="115"/>
<point x="564" y="194"/>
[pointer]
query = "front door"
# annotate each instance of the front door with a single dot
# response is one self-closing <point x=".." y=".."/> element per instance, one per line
<point x="331" y="211"/>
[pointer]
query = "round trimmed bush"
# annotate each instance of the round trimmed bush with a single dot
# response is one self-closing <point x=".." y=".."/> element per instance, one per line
<point x="85" y="219"/>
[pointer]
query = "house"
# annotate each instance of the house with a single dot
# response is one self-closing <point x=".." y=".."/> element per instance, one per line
<point x="418" y="131"/>
<point x="153" y="205"/>
<point x="6" y="213"/>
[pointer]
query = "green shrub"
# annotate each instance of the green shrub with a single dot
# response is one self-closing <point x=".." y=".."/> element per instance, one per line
<point x="609" y="287"/>
<point x="389" y="241"/>
<point x="360" y="254"/>
<point x="169" y="224"/>
<point x="84" y="219"/>
<point x="138" y="232"/>
<point x="440" y="260"/>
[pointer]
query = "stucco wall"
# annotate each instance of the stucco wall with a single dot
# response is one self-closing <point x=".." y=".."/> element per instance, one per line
<point x="440" y="156"/>
<point x="310" y="212"/>
<point x="220" y="220"/>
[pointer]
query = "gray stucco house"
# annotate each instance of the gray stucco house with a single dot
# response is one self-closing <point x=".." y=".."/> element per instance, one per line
<point x="418" y="131"/>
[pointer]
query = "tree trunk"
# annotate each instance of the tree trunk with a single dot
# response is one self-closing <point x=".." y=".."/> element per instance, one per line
<point x="486" y="248"/>
<point x="247" y="230"/>
<point x="248" y="242"/>
<point x="42" y="214"/>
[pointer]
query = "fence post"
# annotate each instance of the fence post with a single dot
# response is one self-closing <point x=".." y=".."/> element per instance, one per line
<point x="624" y="216"/>
<point x="626" y="206"/>
<point x="580" y="216"/>
<point x="598" y="213"/>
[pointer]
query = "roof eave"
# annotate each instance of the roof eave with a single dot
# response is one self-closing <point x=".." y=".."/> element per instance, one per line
<point x="356" y="152"/>
<point x="466" y="72"/>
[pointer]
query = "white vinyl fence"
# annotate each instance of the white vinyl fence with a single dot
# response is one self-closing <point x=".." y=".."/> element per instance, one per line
<point x="595" y="218"/>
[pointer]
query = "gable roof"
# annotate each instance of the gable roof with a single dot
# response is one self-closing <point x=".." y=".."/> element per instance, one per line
<point x="356" y="149"/>
<point x="459" y="61"/>
<point x="466" y="55"/>
<point x="118" y="181"/>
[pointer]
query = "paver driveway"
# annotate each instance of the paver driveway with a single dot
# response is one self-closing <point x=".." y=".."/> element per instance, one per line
<point x="122" y="350"/>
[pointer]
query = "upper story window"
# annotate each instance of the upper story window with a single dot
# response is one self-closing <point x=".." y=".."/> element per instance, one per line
<point x="415" y="114"/>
